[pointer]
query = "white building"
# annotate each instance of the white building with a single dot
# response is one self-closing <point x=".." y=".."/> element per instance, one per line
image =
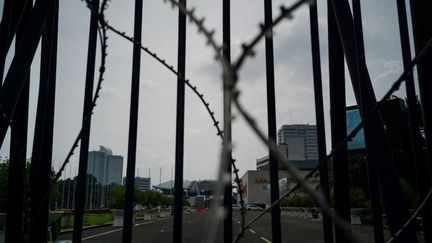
<point x="256" y="186"/>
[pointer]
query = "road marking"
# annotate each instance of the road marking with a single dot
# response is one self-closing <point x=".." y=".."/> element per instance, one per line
<point x="265" y="240"/>
<point x="104" y="233"/>
<point x="252" y="231"/>
<point x="112" y="231"/>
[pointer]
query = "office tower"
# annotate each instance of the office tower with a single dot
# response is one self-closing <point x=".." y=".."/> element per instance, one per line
<point x="301" y="140"/>
<point x="105" y="167"/>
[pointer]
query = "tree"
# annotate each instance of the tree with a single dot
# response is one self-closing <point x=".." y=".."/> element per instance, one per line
<point x="118" y="197"/>
<point x="358" y="198"/>
<point x="152" y="198"/>
<point x="299" y="201"/>
<point x="4" y="175"/>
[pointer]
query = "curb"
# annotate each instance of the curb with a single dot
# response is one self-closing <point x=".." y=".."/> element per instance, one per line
<point x="66" y="231"/>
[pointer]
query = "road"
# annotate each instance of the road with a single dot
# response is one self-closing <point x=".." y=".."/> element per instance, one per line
<point x="195" y="224"/>
<point x="297" y="230"/>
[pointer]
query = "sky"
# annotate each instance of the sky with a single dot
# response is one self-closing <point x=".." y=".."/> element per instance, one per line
<point x="157" y="105"/>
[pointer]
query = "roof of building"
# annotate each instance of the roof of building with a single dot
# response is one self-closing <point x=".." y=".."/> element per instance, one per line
<point x="300" y="164"/>
<point x="203" y="186"/>
<point x="170" y="184"/>
<point x="106" y="150"/>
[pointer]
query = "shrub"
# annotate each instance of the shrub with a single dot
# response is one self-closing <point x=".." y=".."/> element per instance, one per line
<point x="299" y="201"/>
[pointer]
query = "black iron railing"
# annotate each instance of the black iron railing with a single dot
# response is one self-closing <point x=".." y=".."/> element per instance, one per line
<point x="29" y="24"/>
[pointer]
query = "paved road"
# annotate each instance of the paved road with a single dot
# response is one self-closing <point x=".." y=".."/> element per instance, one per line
<point x="296" y="230"/>
<point x="194" y="226"/>
<point x="194" y="229"/>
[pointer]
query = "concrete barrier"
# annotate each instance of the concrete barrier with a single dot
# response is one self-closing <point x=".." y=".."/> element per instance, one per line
<point x="355" y="215"/>
<point x="299" y="212"/>
<point x="164" y="213"/>
<point x="315" y="213"/>
<point x="149" y="216"/>
<point x="118" y="215"/>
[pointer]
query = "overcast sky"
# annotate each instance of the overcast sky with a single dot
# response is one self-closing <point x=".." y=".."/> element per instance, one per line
<point x="156" y="131"/>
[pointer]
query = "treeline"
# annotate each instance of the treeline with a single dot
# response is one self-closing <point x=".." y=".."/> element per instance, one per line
<point x="146" y="198"/>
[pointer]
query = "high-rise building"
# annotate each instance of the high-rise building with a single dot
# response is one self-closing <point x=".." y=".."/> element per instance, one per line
<point x="105" y="167"/>
<point x="301" y="140"/>
<point x="299" y="143"/>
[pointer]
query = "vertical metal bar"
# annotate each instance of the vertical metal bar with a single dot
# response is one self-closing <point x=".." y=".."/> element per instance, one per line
<point x="319" y="114"/>
<point x="271" y="117"/>
<point x="422" y="166"/>
<point x="73" y="191"/>
<point x="133" y="123"/>
<point x="377" y="145"/>
<point x="20" y="66"/>
<point x="226" y="36"/>
<point x="18" y="151"/>
<point x="178" y="177"/>
<point x="13" y="12"/>
<point x="86" y="122"/>
<point x="422" y="31"/>
<point x="6" y="31"/>
<point x="338" y="124"/>
<point x="63" y="193"/>
<point x="372" y="167"/>
<point x="40" y="171"/>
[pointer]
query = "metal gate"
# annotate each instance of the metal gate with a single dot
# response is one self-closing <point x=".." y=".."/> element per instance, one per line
<point x="30" y="23"/>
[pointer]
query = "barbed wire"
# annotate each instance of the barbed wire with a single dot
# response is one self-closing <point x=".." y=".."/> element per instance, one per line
<point x="395" y="86"/>
<point x="353" y="133"/>
<point x="104" y="25"/>
<point x="171" y="68"/>
<point x="209" y="34"/>
<point x="248" y="51"/>
<point x="103" y="38"/>
<point x="291" y="168"/>
<point x="248" y="48"/>
<point x="162" y="61"/>
<point x="411" y="219"/>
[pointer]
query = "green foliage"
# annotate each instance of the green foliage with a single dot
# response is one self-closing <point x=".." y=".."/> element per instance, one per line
<point x="118" y="198"/>
<point x="409" y="194"/>
<point x="144" y="198"/>
<point x="153" y="198"/>
<point x="299" y="201"/>
<point x="4" y="175"/>
<point x="54" y="194"/>
<point x="99" y="218"/>
<point x="358" y="198"/>
<point x="357" y="166"/>
<point x="186" y="203"/>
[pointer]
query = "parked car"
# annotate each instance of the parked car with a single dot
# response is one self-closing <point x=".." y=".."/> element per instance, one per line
<point x="253" y="207"/>
<point x="236" y="207"/>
